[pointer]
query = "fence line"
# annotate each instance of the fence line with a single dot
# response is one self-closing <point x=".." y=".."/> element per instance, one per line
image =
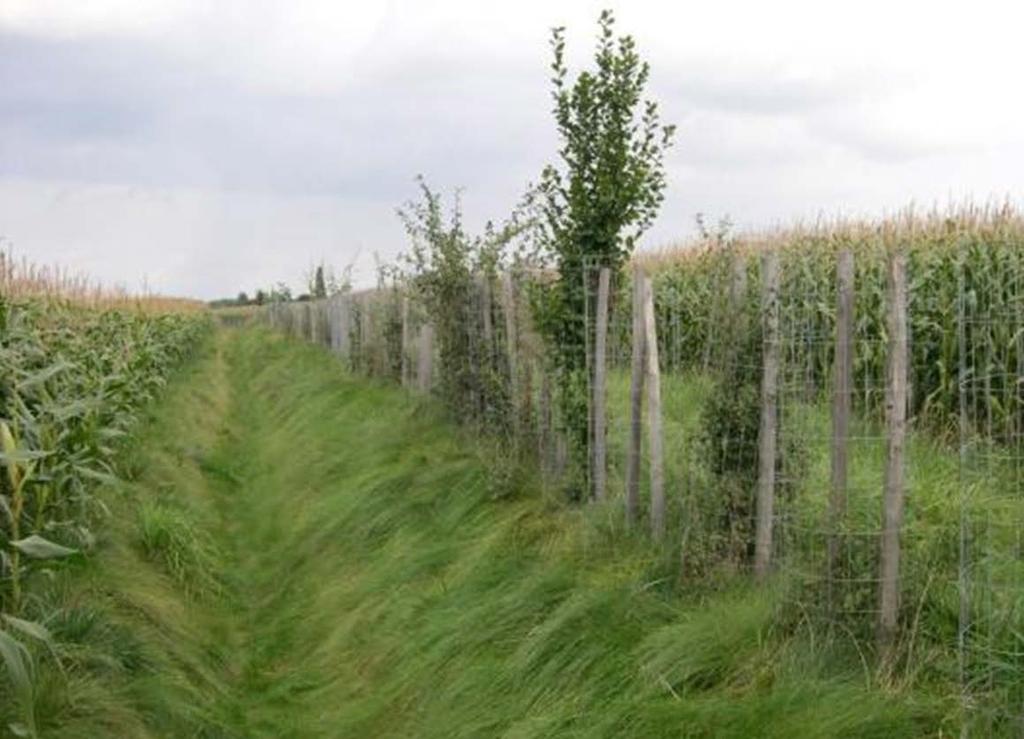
<point x="741" y="393"/>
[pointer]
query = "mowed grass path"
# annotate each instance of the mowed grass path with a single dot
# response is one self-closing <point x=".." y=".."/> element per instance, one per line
<point x="305" y="554"/>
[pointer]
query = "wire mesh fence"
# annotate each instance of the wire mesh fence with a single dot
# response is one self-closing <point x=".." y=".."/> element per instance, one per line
<point x="852" y="424"/>
<point x="990" y="340"/>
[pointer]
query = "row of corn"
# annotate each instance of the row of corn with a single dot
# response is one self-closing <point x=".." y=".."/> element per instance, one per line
<point x="73" y="381"/>
<point x="965" y="312"/>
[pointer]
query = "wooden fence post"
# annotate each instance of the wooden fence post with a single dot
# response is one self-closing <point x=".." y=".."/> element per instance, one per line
<point x="405" y="342"/>
<point x="545" y="435"/>
<point x="344" y="325"/>
<point x="842" y="393"/>
<point x="896" y="423"/>
<point x="487" y="355"/>
<point x="768" y="432"/>
<point x="331" y="323"/>
<point x="963" y="571"/>
<point x="512" y="347"/>
<point x="600" y="439"/>
<point x="654" y="412"/>
<point x="561" y="455"/>
<point x="321" y="322"/>
<point x="636" y="399"/>
<point x="426" y="358"/>
<point x="365" y="338"/>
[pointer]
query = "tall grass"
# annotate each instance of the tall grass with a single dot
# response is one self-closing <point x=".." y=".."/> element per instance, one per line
<point x="416" y="603"/>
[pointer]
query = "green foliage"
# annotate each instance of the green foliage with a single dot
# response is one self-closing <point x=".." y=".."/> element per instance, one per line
<point x="453" y="276"/>
<point x="729" y="431"/>
<point x="591" y="212"/>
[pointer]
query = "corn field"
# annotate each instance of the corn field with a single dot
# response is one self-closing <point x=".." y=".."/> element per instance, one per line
<point x="78" y="365"/>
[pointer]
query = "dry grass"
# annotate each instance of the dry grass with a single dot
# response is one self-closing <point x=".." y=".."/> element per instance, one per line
<point x="22" y="279"/>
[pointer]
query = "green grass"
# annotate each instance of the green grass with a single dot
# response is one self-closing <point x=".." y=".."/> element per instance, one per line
<point x="304" y="554"/>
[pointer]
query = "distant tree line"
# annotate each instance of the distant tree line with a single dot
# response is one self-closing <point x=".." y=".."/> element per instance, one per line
<point x="321" y="281"/>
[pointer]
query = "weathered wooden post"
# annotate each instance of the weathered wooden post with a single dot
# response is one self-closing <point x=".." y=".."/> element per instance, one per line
<point x="561" y="460"/>
<point x="321" y="321"/>
<point x="344" y="326"/>
<point x="426" y="358"/>
<point x="656" y="441"/>
<point x="331" y="323"/>
<point x="963" y="570"/>
<point x="366" y="338"/>
<point x="600" y="439"/>
<point x="896" y="428"/>
<point x="405" y="370"/>
<point x="512" y="348"/>
<point x="487" y="355"/>
<point x="636" y="400"/>
<point x="476" y="311"/>
<point x="768" y="432"/>
<point x="545" y="434"/>
<point x="842" y="395"/>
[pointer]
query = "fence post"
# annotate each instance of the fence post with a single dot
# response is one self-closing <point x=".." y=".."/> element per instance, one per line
<point x="318" y="311"/>
<point x="636" y="399"/>
<point x="512" y="347"/>
<point x="344" y="329"/>
<point x="561" y="455"/>
<point x="600" y="440"/>
<point x="654" y="411"/>
<point x="545" y="434"/>
<point x="487" y="355"/>
<point x="842" y="389"/>
<point x="963" y="571"/>
<point x="426" y="358"/>
<point x="405" y="342"/>
<point x="768" y="431"/>
<point x="896" y="420"/>
<point x="331" y="323"/>
<point x="365" y="338"/>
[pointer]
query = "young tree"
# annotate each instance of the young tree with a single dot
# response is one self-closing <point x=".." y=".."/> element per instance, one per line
<point x="319" y="287"/>
<point x="442" y="267"/>
<point x="595" y="206"/>
<point x="281" y="293"/>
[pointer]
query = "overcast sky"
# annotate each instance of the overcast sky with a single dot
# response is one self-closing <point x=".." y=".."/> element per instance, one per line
<point x="204" y="147"/>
